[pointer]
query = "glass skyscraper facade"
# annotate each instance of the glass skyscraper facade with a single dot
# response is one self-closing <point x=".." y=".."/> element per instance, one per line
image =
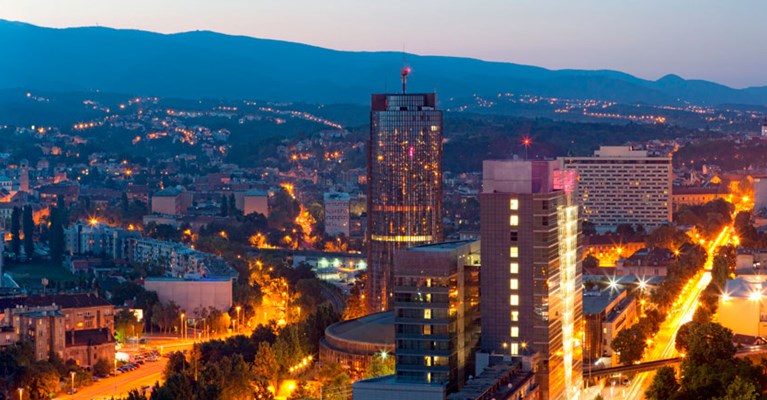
<point x="404" y="184"/>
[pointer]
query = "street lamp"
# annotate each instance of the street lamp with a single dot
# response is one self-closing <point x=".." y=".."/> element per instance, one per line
<point x="238" y="317"/>
<point x="72" y="373"/>
<point x="21" y="393"/>
<point x="182" y="332"/>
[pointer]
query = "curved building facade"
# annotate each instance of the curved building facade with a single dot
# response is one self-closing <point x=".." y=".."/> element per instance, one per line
<point x="353" y="343"/>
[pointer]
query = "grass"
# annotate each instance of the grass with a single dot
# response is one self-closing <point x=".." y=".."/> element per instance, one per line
<point x="29" y="275"/>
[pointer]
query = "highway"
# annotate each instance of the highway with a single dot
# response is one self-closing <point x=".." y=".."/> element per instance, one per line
<point x="663" y="342"/>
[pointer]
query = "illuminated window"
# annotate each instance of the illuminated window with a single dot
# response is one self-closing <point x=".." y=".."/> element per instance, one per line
<point x="427" y="361"/>
<point x="514" y="268"/>
<point x="514" y="300"/>
<point x="427" y="314"/>
<point x="514" y="204"/>
<point x="515" y="315"/>
<point x="514" y="348"/>
<point x="427" y="329"/>
<point x="514" y="284"/>
<point x="514" y="252"/>
<point x="514" y="331"/>
<point x="514" y="220"/>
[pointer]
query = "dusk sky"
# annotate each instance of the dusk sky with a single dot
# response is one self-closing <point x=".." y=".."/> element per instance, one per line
<point x="705" y="39"/>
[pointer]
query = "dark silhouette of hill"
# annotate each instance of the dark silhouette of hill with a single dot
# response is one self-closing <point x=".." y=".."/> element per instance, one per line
<point x="204" y="64"/>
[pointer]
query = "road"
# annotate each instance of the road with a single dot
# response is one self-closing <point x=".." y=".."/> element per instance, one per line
<point x="119" y="386"/>
<point x="682" y="312"/>
<point x="147" y="375"/>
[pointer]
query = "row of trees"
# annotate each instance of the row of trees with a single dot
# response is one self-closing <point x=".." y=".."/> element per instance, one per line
<point x="41" y="379"/>
<point x="253" y="367"/>
<point x="709" y="369"/>
<point x="709" y="218"/>
<point x="723" y="265"/>
<point x="22" y="220"/>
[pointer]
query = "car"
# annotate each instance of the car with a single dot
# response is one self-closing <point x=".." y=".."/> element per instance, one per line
<point x="72" y="391"/>
<point x="141" y="361"/>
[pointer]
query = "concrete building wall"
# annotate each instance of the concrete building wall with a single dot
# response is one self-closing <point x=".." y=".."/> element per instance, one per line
<point x="165" y="205"/>
<point x="255" y="204"/>
<point x="191" y="295"/>
<point x="760" y="192"/>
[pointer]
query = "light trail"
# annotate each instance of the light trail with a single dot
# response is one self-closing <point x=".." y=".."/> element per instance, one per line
<point x="680" y="314"/>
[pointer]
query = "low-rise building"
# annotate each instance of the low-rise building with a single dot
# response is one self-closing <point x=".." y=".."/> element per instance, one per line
<point x="696" y="195"/>
<point x="646" y="262"/>
<point x="171" y="201"/>
<point x="193" y="294"/>
<point x="743" y="306"/>
<point x="605" y="314"/>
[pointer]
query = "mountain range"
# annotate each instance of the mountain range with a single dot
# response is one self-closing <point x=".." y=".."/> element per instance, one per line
<point x="203" y="64"/>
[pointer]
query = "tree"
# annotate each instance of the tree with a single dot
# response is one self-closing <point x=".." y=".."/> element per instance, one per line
<point x="588" y="228"/>
<point x="177" y="386"/>
<point x="265" y="365"/>
<point x="664" y="385"/>
<point x="709" y="342"/>
<point x="381" y="364"/>
<point x="224" y="206"/>
<point x="56" y="235"/>
<point x="590" y="262"/>
<point x="28" y="224"/>
<point x="127" y="325"/>
<point x="101" y="367"/>
<point x="681" y="336"/>
<point x="625" y="230"/>
<point x="176" y="364"/>
<point x="15" y="232"/>
<point x="630" y="344"/>
<point x="740" y="389"/>
<point x="232" y="205"/>
<point x="238" y="378"/>
<point x="336" y="384"/>
<point x="41" y="378"/>
<point x="124" y="204"/>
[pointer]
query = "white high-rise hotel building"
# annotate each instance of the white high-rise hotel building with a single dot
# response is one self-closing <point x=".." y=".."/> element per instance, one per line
<point x="620" y="185"/>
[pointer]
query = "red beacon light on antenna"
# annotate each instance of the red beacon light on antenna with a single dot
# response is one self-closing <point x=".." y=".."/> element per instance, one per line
<point x="404" y="73"/>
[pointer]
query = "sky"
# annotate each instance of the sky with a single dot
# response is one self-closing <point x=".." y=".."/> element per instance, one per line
<point x="717" y="40"/>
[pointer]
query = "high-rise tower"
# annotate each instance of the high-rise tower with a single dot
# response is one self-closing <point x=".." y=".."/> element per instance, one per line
<point x="531" y="270"/>
<point x="404" y="183"/>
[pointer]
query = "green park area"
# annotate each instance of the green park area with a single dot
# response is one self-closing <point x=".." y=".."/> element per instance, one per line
<point x="30" y="275"/>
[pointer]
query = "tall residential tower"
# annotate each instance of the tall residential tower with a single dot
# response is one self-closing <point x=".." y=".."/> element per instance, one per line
<point x="531" y="271"/>
<point x="404" y="183"/>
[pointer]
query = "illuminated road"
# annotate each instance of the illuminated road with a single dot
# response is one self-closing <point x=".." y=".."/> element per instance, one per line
<point x="681" y="313"/>
<point x="120" y="385"/>
<point x="146" y="375"/>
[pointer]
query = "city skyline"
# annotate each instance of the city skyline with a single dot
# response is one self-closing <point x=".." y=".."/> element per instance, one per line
<point x="648" y="40"/>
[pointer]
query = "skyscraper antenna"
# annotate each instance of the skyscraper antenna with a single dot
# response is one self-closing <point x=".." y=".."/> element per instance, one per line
<point x="403" y="74"/>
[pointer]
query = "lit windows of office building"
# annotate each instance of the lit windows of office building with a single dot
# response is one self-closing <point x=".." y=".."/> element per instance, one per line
<point x="531" y="270"/>
<point x="404" y="183"/>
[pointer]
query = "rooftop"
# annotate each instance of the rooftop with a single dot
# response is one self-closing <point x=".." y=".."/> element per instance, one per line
<point x="78" y="300"/>
<point x="594" y="302"/>
<point x="442" y="246"/>
<point x="375" y="329"/>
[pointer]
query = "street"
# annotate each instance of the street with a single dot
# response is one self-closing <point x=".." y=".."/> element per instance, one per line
<point x="665" y="338"/>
